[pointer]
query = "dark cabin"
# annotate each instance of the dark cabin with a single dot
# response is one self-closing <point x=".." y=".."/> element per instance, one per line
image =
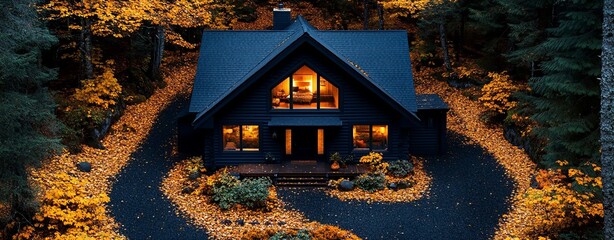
<point x="298" y="93"/>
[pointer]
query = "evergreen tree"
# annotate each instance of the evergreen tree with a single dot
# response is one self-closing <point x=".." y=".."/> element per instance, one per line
<point x="565" y="97"/>
<point x="527" y="23"/>
<point x="28" y="126"/>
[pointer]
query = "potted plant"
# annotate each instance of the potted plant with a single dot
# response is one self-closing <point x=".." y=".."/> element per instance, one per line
<point x="335" y="158"/>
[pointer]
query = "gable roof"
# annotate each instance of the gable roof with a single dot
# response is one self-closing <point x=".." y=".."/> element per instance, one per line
<point x="229" y="58"/>
<point x="430" y="102"/>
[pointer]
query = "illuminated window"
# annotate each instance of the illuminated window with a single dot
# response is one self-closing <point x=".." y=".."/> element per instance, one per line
<point x="288" y="141"/>
<point x="320" y="141"/>
<point x="249" y="138"/>
<point x="370" y="137"/>
<point x="231" y="138"/>
<point x="240" y="138"/>
<point x="305" y="89"/>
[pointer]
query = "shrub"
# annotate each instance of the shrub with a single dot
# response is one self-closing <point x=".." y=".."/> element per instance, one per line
<point x="400" y="168"/>
<point x="371" y="182"/>
<point x="227" y="191"/>
<point x="496" y="95"/>
<point x="253" y="192"/>
<point x="102" y="91"/>
<point x="68" y="210"/>
<point x="224" y="193"/>
<point x="374" y="160"/>
<point x="332" y="233"/>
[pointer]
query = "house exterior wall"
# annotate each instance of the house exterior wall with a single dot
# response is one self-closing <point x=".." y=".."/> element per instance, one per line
<point x="358" y="105"/>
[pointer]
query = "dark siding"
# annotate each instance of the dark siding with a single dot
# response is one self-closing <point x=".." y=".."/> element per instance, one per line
<point x="358" y="105"/>
<point x="429" y="136"/>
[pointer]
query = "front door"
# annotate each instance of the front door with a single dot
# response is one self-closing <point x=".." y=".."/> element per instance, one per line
<point x="304" y="143"/>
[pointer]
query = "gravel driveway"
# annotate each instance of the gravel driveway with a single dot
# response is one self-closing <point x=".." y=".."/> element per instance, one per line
<point x="137" y="202"/>
<point x="467" y="198"/>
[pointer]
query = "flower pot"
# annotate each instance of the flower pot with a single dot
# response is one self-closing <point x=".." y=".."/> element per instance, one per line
<point x="335" y="166"/>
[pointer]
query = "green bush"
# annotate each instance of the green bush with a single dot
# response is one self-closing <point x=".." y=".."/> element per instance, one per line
<point x="371" y="182"/>
<point x="302" y="234"/>
<point x="400" y="168"/>
<point x="224" y="191"/>
<point x="251" y="192"/>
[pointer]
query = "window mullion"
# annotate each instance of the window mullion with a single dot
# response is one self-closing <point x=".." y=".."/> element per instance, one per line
<point x="318" y="91"/>
<point x="241" y="138"/>
<point x="291" y="92"/>
<point x="371" y="137"/>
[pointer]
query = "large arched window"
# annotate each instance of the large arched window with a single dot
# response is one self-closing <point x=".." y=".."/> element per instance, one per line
<point x="305" y="89"/>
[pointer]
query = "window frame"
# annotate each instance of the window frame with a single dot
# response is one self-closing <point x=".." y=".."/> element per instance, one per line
<point x="318" y="95"/>
<point x="240" y="147"/>
<point x="369" y="147"/>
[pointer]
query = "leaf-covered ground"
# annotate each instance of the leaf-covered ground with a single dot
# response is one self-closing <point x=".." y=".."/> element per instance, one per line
<point x="464" y="118"/>
<point x="125" y="137"/>
<point x="421" y="182"/>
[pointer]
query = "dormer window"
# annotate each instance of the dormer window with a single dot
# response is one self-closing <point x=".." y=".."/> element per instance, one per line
<point x="309" y="91"/>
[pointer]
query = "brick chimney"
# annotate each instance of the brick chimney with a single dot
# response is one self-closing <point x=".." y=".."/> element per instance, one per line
<point x="282" y="17"/>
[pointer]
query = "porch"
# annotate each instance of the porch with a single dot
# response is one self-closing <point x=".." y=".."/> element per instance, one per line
<point x="298" y="173"/>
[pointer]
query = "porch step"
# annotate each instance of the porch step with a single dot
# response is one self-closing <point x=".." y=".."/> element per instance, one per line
<point x="302" y="181"/>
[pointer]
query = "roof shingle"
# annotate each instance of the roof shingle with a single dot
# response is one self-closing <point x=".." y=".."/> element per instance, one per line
<point x="228" y="58"/>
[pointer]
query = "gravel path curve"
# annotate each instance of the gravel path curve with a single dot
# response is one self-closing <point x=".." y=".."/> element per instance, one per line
<point x="468" y="195"/>
<point x="137" y="203"/>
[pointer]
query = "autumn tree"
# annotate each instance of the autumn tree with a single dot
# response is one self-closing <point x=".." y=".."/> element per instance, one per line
<point x="433" y="14"/>
<point x="607" y="116"/>
<point x="120" y="19"/>
<point x="28" y="126"/>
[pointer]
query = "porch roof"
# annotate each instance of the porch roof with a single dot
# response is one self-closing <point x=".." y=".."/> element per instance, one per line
<point x="305" y="122"/>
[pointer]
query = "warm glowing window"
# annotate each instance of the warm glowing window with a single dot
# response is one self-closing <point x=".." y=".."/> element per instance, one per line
<point x="288" y="141"/>
<point x="305" y="89"/>
<point x="370" y="137"/>
<point x="240" y="138"/>
<point x="249" y="139"/>
<point x="320" y="141"/>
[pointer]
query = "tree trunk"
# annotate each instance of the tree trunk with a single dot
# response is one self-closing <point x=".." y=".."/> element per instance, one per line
<point x="157" y="52"/>
<point x="444" y="45"/>
<point x="607" y="117"/>
<point x="85" y="47"/>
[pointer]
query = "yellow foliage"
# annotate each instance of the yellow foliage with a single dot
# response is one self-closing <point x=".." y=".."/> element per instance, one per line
<point x="374" y="160"/>
<point x="555" y="205"/>
<point x="102" y="91"/>
<point x="496" y="94"/>
<point x="121" y="18"/>
<point x="68" y="210"/>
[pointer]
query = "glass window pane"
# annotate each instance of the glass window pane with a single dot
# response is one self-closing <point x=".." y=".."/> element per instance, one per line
<point x="304" y="89"/>
<point x="280" y="95"/>
<point x="329" y="95"/>
<point x="320" y="141"/>
<point x="380" y="137"/>
<point x="360" y="135"/>
<point x="288" y="141"/>
<point x="230" y="137"/>
<point x="250" y="138"/>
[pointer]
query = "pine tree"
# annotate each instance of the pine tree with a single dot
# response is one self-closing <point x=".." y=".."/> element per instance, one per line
<point x="28" y="126"/>
<point x="566" y="97"/>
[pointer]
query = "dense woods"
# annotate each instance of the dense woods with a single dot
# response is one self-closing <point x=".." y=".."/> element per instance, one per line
<point x="68" y="68"/>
